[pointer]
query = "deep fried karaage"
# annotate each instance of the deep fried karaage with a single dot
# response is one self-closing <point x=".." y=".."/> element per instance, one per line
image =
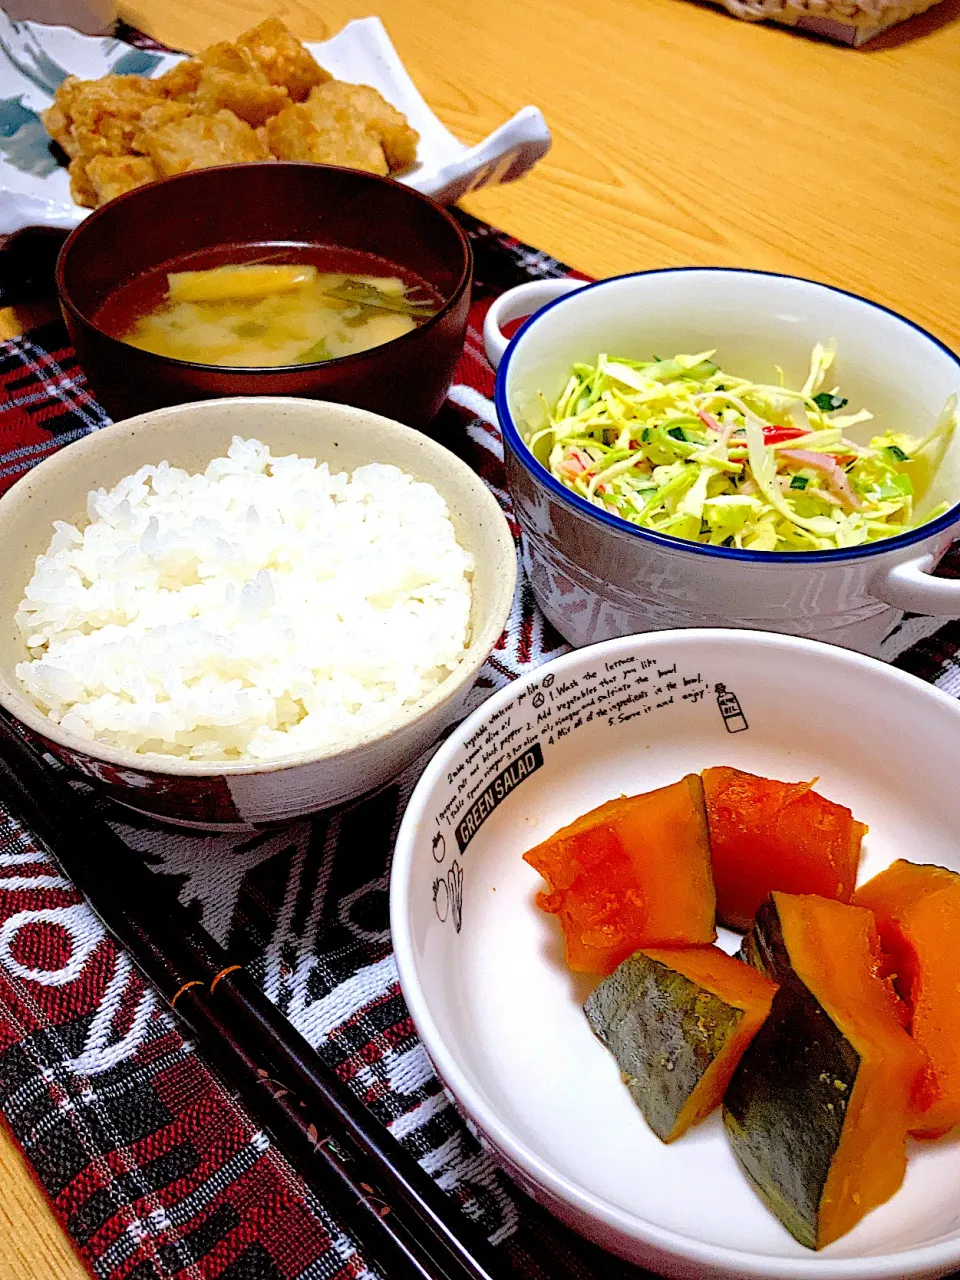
<point x="326" y="133"/>
<point x="282" y="58"/>
<point x="348" y="124"/>
<point x="199" y="141"/>
<point x="262" y="97"/>
<point x="111" y="176"/>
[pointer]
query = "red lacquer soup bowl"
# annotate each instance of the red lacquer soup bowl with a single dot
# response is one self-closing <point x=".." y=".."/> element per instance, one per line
<point x="239" y="211"/>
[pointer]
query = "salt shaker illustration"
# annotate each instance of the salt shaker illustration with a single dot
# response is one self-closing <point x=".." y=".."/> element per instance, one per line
<point x="730" y="709"/>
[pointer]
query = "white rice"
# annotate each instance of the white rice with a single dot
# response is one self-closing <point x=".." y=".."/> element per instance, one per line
<point x="261" y="608"/>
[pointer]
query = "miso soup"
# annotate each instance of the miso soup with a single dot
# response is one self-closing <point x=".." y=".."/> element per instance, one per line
<point x="256" y="306"/>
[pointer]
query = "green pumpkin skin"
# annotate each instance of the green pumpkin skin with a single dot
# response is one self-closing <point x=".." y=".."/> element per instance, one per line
<point x="832" y="1029"/>
<point x="664" y="1031"/>
<point x="785" y="1107"/>
<point x="763" y="948"/>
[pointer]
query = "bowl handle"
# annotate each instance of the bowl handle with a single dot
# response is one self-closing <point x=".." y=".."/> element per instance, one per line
<point x="910" y="586"/>
<point x="517" y="303"/>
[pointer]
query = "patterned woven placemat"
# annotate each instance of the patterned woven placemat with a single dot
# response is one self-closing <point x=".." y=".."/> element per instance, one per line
<point x="149" y="1165"/>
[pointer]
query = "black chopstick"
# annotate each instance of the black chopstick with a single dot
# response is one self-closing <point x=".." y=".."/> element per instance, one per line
<point x="28" y="258"/>
<point x="404" y="1224"/>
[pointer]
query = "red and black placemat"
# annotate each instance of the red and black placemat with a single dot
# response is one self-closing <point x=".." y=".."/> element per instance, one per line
<point x="150" y="1166"/>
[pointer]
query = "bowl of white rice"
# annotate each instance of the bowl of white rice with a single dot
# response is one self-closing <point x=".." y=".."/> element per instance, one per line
<point x="238" y="612"/>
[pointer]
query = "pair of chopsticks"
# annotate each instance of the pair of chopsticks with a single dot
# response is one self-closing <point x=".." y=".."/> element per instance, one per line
<point x="404" y="1225"/>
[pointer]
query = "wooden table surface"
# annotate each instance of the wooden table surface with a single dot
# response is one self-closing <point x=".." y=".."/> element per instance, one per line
<point x="680" y="137"/>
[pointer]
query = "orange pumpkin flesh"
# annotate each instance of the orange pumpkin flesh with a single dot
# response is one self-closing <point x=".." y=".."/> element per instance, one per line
<point x="633" y="873"/>
<point x="917" y="908"/>
<point x="819" y="1108"/>
<point x="767" y="835"/>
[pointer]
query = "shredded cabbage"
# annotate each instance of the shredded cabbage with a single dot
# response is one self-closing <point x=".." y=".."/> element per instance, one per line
<point x="682" y="448"/>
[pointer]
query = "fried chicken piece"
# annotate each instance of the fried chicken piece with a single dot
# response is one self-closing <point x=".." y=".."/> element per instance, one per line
<point x="111" y="176"/>
<point x="57" y="124"/>
<point x="82" y="190"/>
<point x="156" y="116"/>
<point x="91" y="117"/>
<point x="325" y="134"/>
<point x="180" y="80"/>
<point x="225" y="56"/>
<point x="246" y="96"/>
<point x="348" y="124"/>
<point x="383" y="121"/>
<point x="58" y="117"/>
<point x="199" y="141"/>
<point x="228" y="78"/>
<point x="282" y="58"/>
<point x="260" y="97"/>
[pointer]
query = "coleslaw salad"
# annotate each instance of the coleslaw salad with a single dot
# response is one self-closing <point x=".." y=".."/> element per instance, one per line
<point x="680" y="447"/>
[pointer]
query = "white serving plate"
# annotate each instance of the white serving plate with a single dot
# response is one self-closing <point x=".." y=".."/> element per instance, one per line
<point x="34" y="59"/>
<point x="482" y="968"/>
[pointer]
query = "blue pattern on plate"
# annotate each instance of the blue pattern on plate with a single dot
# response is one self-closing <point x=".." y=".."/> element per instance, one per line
<point x="135" y="62"/>
<point x="36" y="66"/>
<point x="24" y="142"/>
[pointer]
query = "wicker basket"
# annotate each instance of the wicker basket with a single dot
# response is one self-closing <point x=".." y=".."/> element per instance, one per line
<point x="847" y="21"/>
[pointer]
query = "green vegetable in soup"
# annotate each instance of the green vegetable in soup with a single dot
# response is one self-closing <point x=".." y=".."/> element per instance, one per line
<point x="370" y="296"/>
<point x="319" y="351"/>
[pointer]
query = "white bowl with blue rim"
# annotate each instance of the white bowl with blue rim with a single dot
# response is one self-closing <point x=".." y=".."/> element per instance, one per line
<point x="482" y="968"/>
<point x="596" y="576"/>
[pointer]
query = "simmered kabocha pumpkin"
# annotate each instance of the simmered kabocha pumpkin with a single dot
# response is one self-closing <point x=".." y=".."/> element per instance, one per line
<point x="633" y="873"/>
<point x="917" y="908"/>
<point x="677" y="1021"/>
<point x="818" y="1109"/>
<point x="768" y="835"/>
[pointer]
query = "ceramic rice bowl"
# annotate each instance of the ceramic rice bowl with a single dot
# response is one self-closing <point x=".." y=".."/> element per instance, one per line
<point x="249" y="793"/>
